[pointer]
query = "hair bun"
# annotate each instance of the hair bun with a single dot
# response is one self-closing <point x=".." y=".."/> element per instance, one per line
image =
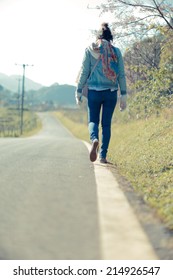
<point x="105" y="25"/>
<point x="105" y="32"/>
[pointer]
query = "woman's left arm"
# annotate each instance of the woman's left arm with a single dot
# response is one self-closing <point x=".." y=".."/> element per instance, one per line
<point x="121" y="74"/>
<point x="122" y="81"/>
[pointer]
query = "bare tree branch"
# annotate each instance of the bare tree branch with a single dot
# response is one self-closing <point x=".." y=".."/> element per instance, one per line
<point x="137" y="5"/>
<point x="155" y="10"/>
<point x="161" y="14"/>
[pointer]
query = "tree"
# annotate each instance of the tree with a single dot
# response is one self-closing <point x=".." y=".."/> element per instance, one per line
<point x="134" y="19"/>
<point x="153" y="86"/>
<point x="166" y="60"/>
<point x="142" y="55"/>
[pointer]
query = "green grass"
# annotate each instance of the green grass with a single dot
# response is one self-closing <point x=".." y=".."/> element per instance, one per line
<point x="142" y="150"/>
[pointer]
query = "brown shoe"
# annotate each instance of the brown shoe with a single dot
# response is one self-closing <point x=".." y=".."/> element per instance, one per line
<point x="94" y="150"/>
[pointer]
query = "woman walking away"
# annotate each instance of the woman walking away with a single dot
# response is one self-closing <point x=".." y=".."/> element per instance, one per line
<point x="103" y="71"/>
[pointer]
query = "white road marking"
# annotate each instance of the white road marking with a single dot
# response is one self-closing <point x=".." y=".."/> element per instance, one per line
<point x="122" y="236"/>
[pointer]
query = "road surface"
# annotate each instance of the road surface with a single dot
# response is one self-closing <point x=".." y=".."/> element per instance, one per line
<point x="56" y="204"/>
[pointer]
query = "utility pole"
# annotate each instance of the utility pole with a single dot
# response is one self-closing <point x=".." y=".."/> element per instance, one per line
<point x="23" y="94"/>
<point x="18" y="97"/>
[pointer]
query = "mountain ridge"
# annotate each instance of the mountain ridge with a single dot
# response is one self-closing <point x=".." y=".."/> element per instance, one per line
<point x="10" y="82"/>
<point x="55" y="95"/>
<point x="36" y="94"/>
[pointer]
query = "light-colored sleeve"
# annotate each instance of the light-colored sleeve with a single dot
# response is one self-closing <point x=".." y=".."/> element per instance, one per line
<point x="121" y="76"/>
<point x="84" y="72"/>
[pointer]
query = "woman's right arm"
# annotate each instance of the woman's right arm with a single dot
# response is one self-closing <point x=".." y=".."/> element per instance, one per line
<point x="85" y="71"/>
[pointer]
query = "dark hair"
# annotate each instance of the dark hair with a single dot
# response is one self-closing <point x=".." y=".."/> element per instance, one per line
<point x="105" y="32"/>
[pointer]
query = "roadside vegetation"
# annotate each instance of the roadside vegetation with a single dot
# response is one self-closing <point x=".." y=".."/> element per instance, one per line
<point x="10" y="123"/>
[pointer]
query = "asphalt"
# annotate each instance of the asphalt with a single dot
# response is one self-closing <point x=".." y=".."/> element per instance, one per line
<point x="56" y="204"/>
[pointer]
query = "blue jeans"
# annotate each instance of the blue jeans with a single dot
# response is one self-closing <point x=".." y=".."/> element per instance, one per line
<point x="97" y="100"/>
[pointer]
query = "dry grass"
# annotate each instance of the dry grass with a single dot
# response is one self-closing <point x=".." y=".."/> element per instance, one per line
<point x="10" y="123"/>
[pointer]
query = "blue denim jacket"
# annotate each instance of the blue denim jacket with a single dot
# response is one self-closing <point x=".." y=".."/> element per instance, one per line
<point x="98" y="80"/>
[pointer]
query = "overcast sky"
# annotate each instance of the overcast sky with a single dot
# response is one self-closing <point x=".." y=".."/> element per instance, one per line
<point x="51" y="34"/>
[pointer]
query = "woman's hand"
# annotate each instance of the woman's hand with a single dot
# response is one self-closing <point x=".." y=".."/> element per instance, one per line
<point x="123" y="103"/>
<point x="78" y="97"/>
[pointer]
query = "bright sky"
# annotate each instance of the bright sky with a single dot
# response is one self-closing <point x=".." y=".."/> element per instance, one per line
<point x="50" y="34"/>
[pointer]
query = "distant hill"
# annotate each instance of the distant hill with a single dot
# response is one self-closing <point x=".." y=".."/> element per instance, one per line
<point x="11" y="83"/>
<point x="35" y="94"/>
<point x="58" y="95"/>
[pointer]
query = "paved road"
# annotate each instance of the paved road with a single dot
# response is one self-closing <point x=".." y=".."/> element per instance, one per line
<point x="55" y="204"/>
